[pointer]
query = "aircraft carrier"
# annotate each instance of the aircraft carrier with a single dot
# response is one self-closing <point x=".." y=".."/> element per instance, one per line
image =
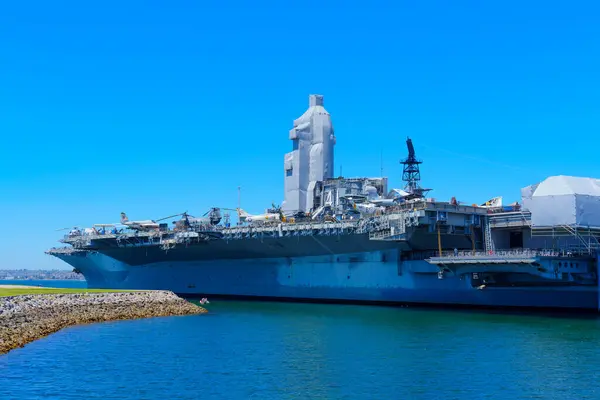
<point x="336" y="239"/>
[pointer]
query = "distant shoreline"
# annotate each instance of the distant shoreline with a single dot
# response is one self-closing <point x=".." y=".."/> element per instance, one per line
<point x="31" y="313"/>
<point x="40" y="275"/>
<point x="43" y="279"/>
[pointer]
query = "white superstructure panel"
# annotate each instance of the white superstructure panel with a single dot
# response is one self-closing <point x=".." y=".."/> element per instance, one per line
<point x="311" y="159"/>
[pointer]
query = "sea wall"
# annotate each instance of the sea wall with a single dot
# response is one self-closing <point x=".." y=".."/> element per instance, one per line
<point x="26" y="318"/>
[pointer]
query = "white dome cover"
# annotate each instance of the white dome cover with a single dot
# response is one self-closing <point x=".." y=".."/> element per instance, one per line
<point x="563" y="200"/>
<point x="562" y="185"/>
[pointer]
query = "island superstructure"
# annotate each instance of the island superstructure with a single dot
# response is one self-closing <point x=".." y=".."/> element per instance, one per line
<point x="355" y="239"/>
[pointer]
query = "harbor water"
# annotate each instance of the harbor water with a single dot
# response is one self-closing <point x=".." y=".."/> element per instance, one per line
<point x="264" y="350"/>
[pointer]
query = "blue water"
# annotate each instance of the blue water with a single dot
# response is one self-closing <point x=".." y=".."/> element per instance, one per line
<point x="244" y="350"/>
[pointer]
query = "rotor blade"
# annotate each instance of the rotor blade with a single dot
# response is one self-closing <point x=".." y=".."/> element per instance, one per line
<point x="170" y="216"/>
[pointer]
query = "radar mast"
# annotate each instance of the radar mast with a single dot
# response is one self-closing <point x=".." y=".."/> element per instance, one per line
<point x="411" y="174"/>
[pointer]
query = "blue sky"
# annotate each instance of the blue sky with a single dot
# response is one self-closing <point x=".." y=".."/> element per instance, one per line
<point x="155" y="108"/>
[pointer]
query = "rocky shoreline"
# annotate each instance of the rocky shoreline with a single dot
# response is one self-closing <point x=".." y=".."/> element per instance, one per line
<point x="26" y="318"/>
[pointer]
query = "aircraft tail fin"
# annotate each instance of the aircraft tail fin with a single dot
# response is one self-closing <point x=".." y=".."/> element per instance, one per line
<point x="124" y="218"/>
<point x="495" y="202"/>
<point x="242" y="213"/>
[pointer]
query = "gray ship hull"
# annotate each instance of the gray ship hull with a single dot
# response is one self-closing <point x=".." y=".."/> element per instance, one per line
<point x="379" y="276"/>
<point x="352" y="248"/>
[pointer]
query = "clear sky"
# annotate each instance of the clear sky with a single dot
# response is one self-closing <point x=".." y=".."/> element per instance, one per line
<point x="155" y="108"/>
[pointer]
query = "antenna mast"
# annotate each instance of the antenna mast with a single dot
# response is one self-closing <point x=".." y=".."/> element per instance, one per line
<point x="239" y="207"/>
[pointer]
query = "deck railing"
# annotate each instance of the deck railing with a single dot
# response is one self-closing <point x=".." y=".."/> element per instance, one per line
<point x="517" y="253"/>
